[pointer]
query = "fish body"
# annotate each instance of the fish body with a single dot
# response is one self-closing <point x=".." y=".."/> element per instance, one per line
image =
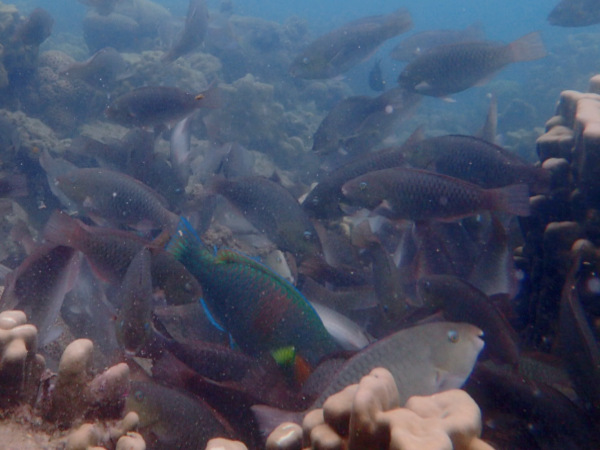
<point x="424" y="360"/>
<point x="110" y="253"/>
<point x="463" y="302"/>
<point x="194" y="31"/>
<point x="99" y="70"/>
<point x="452" y="68"/>
<point x="273" y="211"/>
<point x="419" y="43"/>
<point x="356" y="124"/>
<point x="170" y="418"/>
<point x="323" y="200"/>
<point x="422" y="195"/>
<point x="476" y="161"/>
<point x="262" y="311"/>
<point x="157" y="105"/>
<point x="575" y="13"/>
<point x="134" y="320"/>
<point x="114" y="197"/>
<point x="39" y="285"/>
<point x="341" y="49"/>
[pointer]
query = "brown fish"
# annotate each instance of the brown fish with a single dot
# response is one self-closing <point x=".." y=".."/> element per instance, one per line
<point x="452" y="68"/>
<point x="196" y="25"/>
<point x="158" y="105"/>
<point x="341" y="49"/>
<point x="422" y="195"/>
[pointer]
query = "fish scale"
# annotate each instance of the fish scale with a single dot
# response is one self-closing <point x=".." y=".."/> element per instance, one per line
<point x="261" y="310"/>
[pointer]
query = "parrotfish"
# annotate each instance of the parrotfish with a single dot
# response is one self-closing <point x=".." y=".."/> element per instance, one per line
<point x="110" y="253"/>
<point x="274" y="211"/>
<point x="575" y="13"/>
<point x="158" y="105"/>
<point x="262" y="311"/>
<point x="341" y="49"/>
<point x="477" y="161"/>
<point x="113" y="197"/>
<point x="134" y="321"/>
<point x="452" y="68"/>
<point x="419" y="43"/>
<point x="100" y="70"/>
<point x="423" y="360"/>
<point x="422" y="195"/>
<point x="192" y="35"/>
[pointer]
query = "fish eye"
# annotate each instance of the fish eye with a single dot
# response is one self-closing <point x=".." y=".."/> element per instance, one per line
<point x="139" y="395"/>
<point x="305" y="60"/>
<point x="453" y="336"/>
<point x="188" y="287"/>
<point x="362" y="185"/>
<point x="307" y="235"/>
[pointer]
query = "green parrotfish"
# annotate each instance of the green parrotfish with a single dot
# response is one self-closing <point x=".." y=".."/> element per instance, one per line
<point x="262" y="311"/>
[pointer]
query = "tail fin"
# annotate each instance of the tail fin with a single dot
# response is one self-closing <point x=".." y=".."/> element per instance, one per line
<point x="269" y="418"/>
<point x="528" y="48"/>
<point x="513" y="199"/>
<point x="62" y="229"/>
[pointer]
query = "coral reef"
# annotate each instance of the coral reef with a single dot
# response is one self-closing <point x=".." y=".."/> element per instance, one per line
<point x="55" y="405"/>
<point x="369" y="415"/>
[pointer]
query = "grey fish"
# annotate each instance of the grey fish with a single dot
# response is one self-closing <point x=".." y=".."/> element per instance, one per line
<point x="357" y="124"/>
<point x="109" y="196"/>
<point x="100" y="70"/>
<point x="476" y="161"/>
<point x="39" y="285"/>
<point x="341" y="49"/>
<point x="423" y="360"/>
<point x="196" y="25"/>
<point x="419" y="43"/>
<point x="452" y="68"/>
<point x="158" y="105"/>
<point x="273" y="211"/>
<point x="422" y="195"/>
<point x="134" y="320"/>
<point x="575" y="13"/>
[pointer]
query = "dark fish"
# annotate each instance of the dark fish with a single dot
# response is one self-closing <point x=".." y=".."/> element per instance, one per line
<point x="419" y="43"/>
<point x="549" y="418"/>
<point x="323" y="200"/>
<point x="134" y="320"/>
<point x="172" y="419"/>
<point x="357" y="124"/>
<point x="376" y="81"/>
<point x="39" y="285"/>
<point x="465" y="303"/>
<point x="575" y="13"/>
<point x="262" y="311"/>
<point x="341" y="49"/>
<point x="273" y="211"/>
<point x="422" y="195"/>
<point x="100" y="70"/>
<point x="110" y="253"/>
<point x="452" y="68"/>
<point x="102" y="7"/>
<point x="36" y="28"/>
<point x="476" y="161"/>
<point x="158" y="105"/>
<point x="113" y="197"/>
<point x="196" y="25"/>
<point x="13" y="185"/>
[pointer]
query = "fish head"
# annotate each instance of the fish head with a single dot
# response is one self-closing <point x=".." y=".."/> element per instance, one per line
<point x="365" y="191"/>
<point x="457" y="349"/>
